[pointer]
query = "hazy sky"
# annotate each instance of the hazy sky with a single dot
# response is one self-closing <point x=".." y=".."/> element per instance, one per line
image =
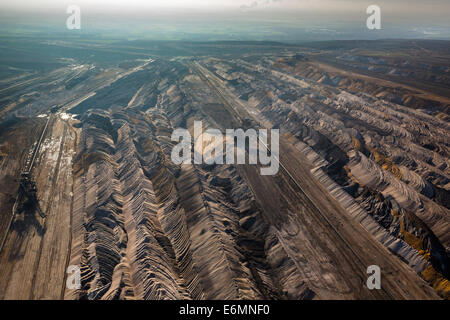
<point x="398" y="7"/>
<point x="421" y="17"/>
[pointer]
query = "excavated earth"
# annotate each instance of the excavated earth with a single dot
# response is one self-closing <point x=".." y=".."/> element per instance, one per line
<point x="363" y="181"/>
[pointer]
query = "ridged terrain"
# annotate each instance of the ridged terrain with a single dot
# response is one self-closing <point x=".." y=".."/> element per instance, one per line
<point x="363" y="177"/>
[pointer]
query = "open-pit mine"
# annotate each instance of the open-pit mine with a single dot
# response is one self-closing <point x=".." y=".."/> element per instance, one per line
<point x="87" y="181"/>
